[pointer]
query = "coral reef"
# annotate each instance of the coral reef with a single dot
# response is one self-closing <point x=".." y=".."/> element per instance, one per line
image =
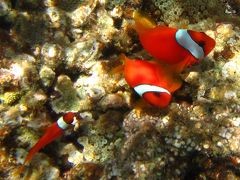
<point x="68" y="100"/>
<point x="57" y="56"/>
<point x="188" y="11"/>
<point x="10" y="97"/>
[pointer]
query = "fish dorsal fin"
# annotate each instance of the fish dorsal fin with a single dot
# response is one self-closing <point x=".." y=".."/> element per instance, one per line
<point x="142" y="23"/>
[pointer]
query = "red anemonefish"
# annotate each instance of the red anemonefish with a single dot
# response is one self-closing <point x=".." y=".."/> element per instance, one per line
<point x="151" y="81"/>
<point x="168" y="45"/>
<point x="53" y="132"/>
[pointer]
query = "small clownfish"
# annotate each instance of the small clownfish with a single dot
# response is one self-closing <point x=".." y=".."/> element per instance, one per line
<point x="168" y="45"/>
<point x="53" y="132"/>
<point x="151" y="81"/>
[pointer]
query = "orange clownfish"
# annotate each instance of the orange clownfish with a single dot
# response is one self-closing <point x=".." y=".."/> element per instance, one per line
<point x="172" y="46"/>
<point x="151" y="81"/>
<point x="53" y="132"/>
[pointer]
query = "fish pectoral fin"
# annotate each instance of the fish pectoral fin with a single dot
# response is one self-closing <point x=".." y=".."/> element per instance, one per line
<point x="171" y="75"/>
<point x="142" y="23"/>
<point x="175" y="84"/>
<point x="182" y="65"/>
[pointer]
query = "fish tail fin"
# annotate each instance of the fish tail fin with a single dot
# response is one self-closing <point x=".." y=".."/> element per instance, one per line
<point x="51" y="134"/>
<point x="142" y="23"/>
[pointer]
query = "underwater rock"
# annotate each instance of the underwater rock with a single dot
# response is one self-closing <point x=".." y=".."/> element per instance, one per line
<point x="105" y="26"/>
<point x="112" y="101"/>
<point x="80" y="15"/>
<point x="34" y="99"/>
<point x="90" y="86"/>
<point x="40" y="168"/>
<point x="231" y="69"/>
<point x="114" y="3"/>
<point x="4" y="8"/>
<point x="30" y="29"/>
<point x="8" y="79"/>
<point x="57" y="17"/>
<point x="82" y="55"/>
<point x="47" y="76"/>
<point x="225" y="32"/>
<point x="28" y="4"/>
<point x="11" y="115"/>
<point x="24" y="69"/>
<point x="86" y="170"/>
<point x="74" y="156"/>
<point x="52" y="55"/>
<point x="68" y="100"/>
<point x="94" y="86"/>
<point x="109" y="122"/>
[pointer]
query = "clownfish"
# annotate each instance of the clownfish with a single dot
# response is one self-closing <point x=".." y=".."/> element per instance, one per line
<point x="180" y="47"/>
<point x="53" y="132"/>
<point x="151" y="81"/>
